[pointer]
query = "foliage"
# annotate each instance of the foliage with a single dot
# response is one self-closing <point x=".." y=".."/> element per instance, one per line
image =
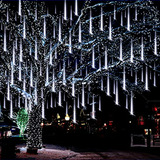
<point x="22" y="120"/>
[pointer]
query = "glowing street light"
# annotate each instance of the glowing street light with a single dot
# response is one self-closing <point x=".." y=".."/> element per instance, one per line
<point x="67" y="118"/>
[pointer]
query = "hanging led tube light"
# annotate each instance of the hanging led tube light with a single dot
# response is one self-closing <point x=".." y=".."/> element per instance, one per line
<point x="93" y="107"/>
<point x="74" y="110"/>
<point x="76" y="7"/>
<point x="5" y="40"/>
<point x="83" y="98"/>
<point x="101" y="26"/>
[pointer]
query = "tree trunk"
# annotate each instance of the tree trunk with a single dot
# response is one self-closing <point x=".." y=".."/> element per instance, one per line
<point x="34" y="129"/>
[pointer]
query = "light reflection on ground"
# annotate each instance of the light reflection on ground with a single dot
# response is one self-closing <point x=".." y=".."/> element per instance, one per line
<point x="58" y="152"/>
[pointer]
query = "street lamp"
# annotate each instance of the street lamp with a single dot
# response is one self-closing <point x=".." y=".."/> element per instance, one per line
<point x="67" y="118"/>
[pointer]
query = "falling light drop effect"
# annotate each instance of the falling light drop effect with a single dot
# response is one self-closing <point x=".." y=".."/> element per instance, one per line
<point x="106" y="59"/>
<point x="100" y="63"/>
<point x="78" y="102"/>
<point x="142" y="77"/>
<point x="93" y="58"/>
<point x="7" y="16"/>
<point x="73" y="88"/>
<point x="8" y="92"/>
<point x="150" y="75"/>
<point x="44" y="28"/>
<point x="19" y="102"/>
<point x="64" y="72"/>
<point x="142" y="50"/>
<point x="40" y="69"/>
<point x="86" y="71"/>
<point x="93" y="107"/>
<point x="100" y="107"/>
<point x="16" y="46"/>
<point x="55" y="9"/>
<point x="20" y="57"/>
<point x="121" y="55"/>
<point x="4" y="102"/>
<point x="90" y="22"/>
<point x="55" y="53"/>
<point x="131" y="72"/>
<point x="51" y="103"/>
<point x="35" y="91"/>
<point x="88" y="93"/>
<point x="59" y="97"/>
<point x="31" y="76"/>
<point x="24" y="27"/>
<point x="114" y="86"/>
<point x="116" y="98"/>
<point x="36" y="13"/>
<point x="135" y="77"/>
<point x="136" y="13"/>
<point x="131" y="107"/>
<point x="126" y="101"/>
<point x="114" y="12"/>
<point x="70" y="42"/>
<point x="124" y="78"/>
<point x="76" y="7"/>
<point x="20" y="71"/>
<point x="121" y="18"/>
<point x="80" y="34"/>
<point x="30" y="108"/>
<point x="13" y="56"/>
<point x="12" y="76"/>
<point x="128" y="19"/>
<point x="47" y="105"/>
<point x="110" y="28"/>
<point x="66" y="108"/>
<point x="5" y="40"/>
<point x="155" y="43"/>
<point x="53" y="83"/>
<point x="36" y="57"/>
<point x="71" y="18"/>
<point x="11" y="108"/>
<point x="65" y="10"/>
<point x="101" y="26"/>
<point x="47" y="78"/>
<point x="54" y="31"/>
<point x="43" y="110"/>
<point x="59" y="32"/>
<point x="50" y="54"/>
<point x="131" y="51"/>
<point x="74" y="110"/>
<point x="101" y="83"/>
<point x="30" y="50"/>
<point x="146" y="79"/>
<point x="19" y="8"/>
<point x="108" y="85"/>
<point x="83" y="100"/>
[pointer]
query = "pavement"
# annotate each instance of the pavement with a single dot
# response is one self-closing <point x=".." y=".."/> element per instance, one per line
<point x="56" y="152"/>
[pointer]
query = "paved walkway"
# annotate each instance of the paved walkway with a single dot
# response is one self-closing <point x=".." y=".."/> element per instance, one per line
<point x="54" y="152"/>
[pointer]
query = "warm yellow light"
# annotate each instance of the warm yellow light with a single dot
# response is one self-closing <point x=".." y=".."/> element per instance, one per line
<point x="58" y="116"/>
<point x="67" y="117"/>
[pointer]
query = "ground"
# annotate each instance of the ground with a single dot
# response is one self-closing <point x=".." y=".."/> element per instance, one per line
<point x="56" y="152"/>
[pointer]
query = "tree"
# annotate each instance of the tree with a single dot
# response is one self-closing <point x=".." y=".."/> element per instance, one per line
<point x="22" y="120"/>
<point x="45" y="56"/>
